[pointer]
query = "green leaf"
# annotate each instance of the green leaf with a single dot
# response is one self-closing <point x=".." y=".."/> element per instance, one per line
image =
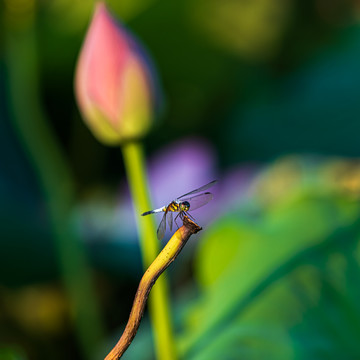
<point x="281" y="285"/>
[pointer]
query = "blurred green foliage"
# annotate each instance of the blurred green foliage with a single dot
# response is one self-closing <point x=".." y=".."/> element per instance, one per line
<point x="278" y="279"/>
<point x="288" y="290"/>
<point x="11" y="354"/>
<point x="275" y="275"/>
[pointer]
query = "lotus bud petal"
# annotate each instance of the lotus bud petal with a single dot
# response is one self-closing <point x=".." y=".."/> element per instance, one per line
<point x="113" y="82"/>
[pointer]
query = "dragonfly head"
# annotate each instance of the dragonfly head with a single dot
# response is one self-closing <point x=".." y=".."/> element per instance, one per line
<point x="184" y="206"/>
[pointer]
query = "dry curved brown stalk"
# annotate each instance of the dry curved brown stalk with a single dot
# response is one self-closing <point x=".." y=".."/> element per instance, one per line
<point x="162" y="261"/>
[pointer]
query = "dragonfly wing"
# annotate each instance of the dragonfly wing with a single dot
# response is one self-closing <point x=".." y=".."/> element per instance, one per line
<point x="203" y="188"/>
<point x="198" y="201"/>
<point x="162" y="227"/>
<point x="170" y="219"/>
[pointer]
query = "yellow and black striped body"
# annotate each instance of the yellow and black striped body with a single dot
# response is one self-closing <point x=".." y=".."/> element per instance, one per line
<point x="175" y="206"/>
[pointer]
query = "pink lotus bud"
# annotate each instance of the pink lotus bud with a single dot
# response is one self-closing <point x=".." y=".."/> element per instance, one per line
<point x="113" y="83"/>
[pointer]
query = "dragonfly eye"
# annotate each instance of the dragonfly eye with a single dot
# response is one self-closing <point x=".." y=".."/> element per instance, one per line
<point x="185" y="205"/>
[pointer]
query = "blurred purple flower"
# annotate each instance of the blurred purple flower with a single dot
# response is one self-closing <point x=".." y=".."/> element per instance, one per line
<point x="180" y="168"/>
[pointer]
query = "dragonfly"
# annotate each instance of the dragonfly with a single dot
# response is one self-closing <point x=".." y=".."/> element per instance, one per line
<point x="189" y="201"/>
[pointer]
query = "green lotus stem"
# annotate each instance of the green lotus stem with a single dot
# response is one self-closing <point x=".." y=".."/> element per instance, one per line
<point x="162" y="261"/>
<point x="159" y="307"/>
<point x="52" y="171"/>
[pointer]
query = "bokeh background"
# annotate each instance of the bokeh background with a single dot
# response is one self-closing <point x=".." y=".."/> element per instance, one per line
<point x="263" y="95"/>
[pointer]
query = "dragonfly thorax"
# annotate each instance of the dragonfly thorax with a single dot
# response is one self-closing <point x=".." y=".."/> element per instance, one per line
<point x="178" y="206"/>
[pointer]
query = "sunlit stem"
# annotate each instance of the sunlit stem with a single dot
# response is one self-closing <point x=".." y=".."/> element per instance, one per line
<point x="158" y="302"/>
<point x="158" y="266"/>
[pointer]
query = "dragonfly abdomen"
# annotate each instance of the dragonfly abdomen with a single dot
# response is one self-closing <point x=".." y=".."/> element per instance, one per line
<point x="153" y="211"/>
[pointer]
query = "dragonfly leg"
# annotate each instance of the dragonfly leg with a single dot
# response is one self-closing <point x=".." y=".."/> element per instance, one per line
<point x="176" y="218"/>
<point x="187" y="213"/>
